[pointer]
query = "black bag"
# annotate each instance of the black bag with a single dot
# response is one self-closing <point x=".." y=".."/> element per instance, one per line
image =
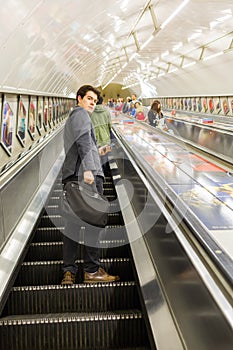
<point x="84" y="202"/>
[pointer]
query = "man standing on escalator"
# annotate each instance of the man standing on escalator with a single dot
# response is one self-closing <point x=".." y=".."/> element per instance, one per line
<point x="82" y="163"/>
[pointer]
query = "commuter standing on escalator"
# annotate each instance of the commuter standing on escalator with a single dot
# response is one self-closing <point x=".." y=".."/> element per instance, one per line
<point x="82" y="163"/>
<point x="126" y="105"/>
<point x="155" y="113"/>
<point x="102" y="122"/>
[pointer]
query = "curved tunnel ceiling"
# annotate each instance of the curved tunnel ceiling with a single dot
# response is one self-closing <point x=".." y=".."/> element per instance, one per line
<point x="54" y="46"/>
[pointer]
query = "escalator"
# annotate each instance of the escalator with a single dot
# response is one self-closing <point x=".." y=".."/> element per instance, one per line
<point x="41" y="314"/>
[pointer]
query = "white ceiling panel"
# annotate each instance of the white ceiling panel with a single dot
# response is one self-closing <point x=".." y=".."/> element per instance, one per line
<point x="55" y="46"/>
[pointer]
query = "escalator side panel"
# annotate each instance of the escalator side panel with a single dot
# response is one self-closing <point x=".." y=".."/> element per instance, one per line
<point x="195" y="312"/>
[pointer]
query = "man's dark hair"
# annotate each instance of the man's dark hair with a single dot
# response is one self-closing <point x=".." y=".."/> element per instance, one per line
<point x="82" y="91"/>
<point x="100" y="100"/>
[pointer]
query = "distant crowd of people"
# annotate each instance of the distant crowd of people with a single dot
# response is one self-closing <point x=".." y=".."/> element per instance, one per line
<point x="133" y="107"/>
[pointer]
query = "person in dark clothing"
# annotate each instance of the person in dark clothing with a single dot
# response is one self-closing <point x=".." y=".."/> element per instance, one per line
<point x="155" y="113"/>
<point x="82" y="163"/>
<point x="126" y="105"/>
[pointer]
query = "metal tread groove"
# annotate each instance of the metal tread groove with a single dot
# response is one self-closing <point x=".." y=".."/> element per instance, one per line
<point x="42" y="314"/>
<point x="71" y="317"/>
<point x="75" y="286"/>
<point x="60" y="262"/>
<point x="60" y="243"/>
<point x="80" y="297"/>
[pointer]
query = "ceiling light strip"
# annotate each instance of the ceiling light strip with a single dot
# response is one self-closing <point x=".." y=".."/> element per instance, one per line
<point x="213" y="56"/>
<point x="170" y="18"/>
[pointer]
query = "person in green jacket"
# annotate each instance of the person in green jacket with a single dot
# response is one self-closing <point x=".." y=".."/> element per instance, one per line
<point x="102" y="122"/>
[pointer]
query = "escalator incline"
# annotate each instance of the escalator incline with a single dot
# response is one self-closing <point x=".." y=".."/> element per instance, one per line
<point x="42" y="314"/>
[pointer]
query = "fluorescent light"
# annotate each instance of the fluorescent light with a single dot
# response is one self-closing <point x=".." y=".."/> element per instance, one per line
<point x="10" y="87"/>
<point x="129" y="86"/>
<point x="146" y="42"/>
<point x="195" y="35"/>
<point x="179" y="8"/>
<point x="224" y="18"/>
<point x="132" y="57"/>
<point x="212" y="56"/>
<point x="161" y="74"/>
<point x="177" y="46"/>
<point x="189" y="64"/>
<point x="166" y="53"/>
<point x="173" y="70"/>
<point x="124" y="6"/>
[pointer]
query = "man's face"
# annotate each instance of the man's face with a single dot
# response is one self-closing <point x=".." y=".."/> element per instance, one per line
<point x="88" y="102"/>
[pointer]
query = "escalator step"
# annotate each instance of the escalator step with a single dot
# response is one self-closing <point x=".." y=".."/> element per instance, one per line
<point x="79" y="297"/>
<point x="50" y="272"/>
<point x="108" y="184"/>
<point x="53" y="251"/>
<point x="109" y="330"/>
<point x="48" y="234"/>
<point x="109" y="191"/>
<point x="52" y="220"/>
<point x="54" y="200"/>
<point x="40" y="314"/>
<point x="52" y="234"/>
<point x="114" y="217"/>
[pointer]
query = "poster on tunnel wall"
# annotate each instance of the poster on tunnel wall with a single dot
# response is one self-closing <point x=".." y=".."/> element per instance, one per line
<point x="22" y="119"/>
<point x="40" y="114"/>
<point x="7" y="124"/>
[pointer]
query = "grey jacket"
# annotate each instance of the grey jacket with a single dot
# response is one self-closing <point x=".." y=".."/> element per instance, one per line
<point x="81" y="152"/>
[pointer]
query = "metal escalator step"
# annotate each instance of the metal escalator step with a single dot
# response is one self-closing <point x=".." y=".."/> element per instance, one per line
<point x="55" y="199"/>
<point x="57" y="190"/>
<point x="50" y="272"/>
<point x="110" y="197"/>
<point x="115" y="219"/>
<point x="109" y="191"/>
<point x="51" y="217"/>
<point x="79" y="298"/>
<point x="40" y="251"/>
<point x="53" y="233"/>
<point x="51" y="220"/>
<point x="40" y="314"/>
<point x="115" y="233"/>
<point x="108" y="183"/>
<point x="48" y="234"/>
<point x="52" y="209"/>
<point x="119" y="329"/>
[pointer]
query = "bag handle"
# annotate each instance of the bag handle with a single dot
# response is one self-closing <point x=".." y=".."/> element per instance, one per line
<point x="91" y="188"/>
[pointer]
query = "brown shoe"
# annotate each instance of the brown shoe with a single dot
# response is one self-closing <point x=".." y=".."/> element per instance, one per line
<point x="99" y="276"/>
<point x="68" y="278"/>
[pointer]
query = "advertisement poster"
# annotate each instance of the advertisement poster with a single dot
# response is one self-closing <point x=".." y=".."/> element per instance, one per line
<point x="7" y="126"/>
<point x="225" y="105"/>
<point x="204" y="104"/>
<point x="194" y="102"/>
<point x="231" y="104"/>
<point x="199" y="104"/>
<point x="50" y="111"/>
<point x="22" y="120"/>
<point x="217" y="105"/>
<point x="39" y="122"/>
<point x="211" y="104"/>
<point x="46" y="113"/>
<point x="32" y="118"/>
